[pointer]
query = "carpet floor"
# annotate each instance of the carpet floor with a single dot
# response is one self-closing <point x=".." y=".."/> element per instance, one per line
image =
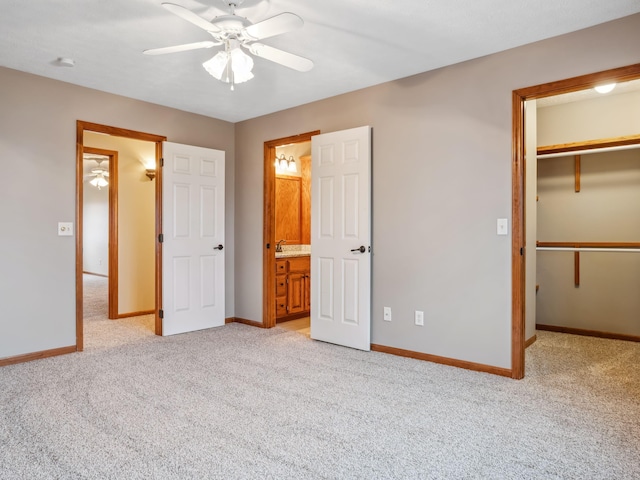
<point x="238" y="402"/>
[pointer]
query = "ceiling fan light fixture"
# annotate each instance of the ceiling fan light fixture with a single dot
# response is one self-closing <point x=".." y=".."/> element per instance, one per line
<point x="233" y="67"/>
<point x="99" y="181"/>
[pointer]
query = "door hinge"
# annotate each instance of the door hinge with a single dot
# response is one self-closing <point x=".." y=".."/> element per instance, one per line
<point x="162" y="162"/>
<point x="161" y="238"/>
<point x="161" y="313"/>
<point x="268" y="245"/>
<point x="521" y="251"/>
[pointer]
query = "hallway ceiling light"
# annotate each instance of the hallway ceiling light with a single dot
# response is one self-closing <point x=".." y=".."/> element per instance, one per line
<point x="605" y="88"/>
<point x="99" y="181"/>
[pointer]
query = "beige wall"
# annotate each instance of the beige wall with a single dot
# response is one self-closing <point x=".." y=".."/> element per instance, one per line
<point x="607" y="209"/>
<point x="441" y="178"/>
<point x="38" y="150"/>
<point x="612" y="115"/>
<point x="136" y="221"/>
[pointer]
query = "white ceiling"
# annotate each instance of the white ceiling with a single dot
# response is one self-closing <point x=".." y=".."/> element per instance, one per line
<point x="353" y="43"/>
<point x="588" y="94"/>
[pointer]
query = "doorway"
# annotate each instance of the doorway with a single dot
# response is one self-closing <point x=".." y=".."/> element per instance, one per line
<point x="99" y="222"/>
<point x="519" y="243"/>
<point x="269" y="221"/>
<point x="84" y="130"/>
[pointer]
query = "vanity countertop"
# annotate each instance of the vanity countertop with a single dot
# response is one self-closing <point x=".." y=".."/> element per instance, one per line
<point x="294" y="251"/>
<point x="292" y="254"/>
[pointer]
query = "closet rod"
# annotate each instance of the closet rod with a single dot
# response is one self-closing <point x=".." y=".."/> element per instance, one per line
<point x="589" y="150"/>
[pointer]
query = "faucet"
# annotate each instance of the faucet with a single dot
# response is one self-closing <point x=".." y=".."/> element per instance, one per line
<point x="279" y="245"/>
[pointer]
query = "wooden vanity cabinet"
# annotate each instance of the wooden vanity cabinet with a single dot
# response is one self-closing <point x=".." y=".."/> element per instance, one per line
<point x="293" y="287"/>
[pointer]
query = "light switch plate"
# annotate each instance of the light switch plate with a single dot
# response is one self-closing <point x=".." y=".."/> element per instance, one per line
<point x="503" y="228"/>
<point x="65" y="229"/>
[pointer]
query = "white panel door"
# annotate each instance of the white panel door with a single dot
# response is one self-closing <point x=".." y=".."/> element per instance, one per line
<point x="193" y="231"/>
<point x="341" y="238"/>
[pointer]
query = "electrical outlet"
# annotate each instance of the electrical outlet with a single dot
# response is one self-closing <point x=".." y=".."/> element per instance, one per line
<point x="419" y="318"/>
<point x="387" y="314"/>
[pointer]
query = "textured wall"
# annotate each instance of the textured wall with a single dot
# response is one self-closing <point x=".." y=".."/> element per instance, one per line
<point x="441" y="177"/>
<point x="38" y="150"/>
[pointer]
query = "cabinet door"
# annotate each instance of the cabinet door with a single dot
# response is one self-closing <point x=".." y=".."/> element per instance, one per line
<point x="307" y="292"/>
<point x="295" y="293"/>
<point x="289" y="209"/>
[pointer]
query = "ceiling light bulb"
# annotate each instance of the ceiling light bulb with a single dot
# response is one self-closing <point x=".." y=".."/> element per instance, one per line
<point x="292" y="165"/>
<point x="605" y="88"/>
<point x="99" y="181"/>
<point x="240" y="63"/>
<point x="216" y="65"/>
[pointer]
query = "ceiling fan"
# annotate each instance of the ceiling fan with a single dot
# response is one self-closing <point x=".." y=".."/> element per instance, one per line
<point x="99" y="173"/>
<point x="231" y="65"/>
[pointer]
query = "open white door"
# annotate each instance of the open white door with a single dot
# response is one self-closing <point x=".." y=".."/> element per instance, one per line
<point x="341" y="238"/>
<point x="193" y="231"/>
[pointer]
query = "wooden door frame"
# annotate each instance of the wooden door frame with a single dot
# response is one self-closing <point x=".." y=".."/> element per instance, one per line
<point x="113" y="225"/>
<point x="269" y="225"/>
<point x="81" y="126"/>
<point x="518" y="280"/>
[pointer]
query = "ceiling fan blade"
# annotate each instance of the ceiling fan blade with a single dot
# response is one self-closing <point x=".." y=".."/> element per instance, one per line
<point x="282" y="23"/>
<point x="276" y="55"/>
<point x="180" y="48"/>
<point x="191" y="17"/>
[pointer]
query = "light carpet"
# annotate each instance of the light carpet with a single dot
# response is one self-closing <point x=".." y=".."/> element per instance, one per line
<point x="238" y="402"/>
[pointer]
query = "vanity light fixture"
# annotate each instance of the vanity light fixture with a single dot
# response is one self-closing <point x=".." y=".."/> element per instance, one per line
<point x="151" y="173"/>
<point x="283" y="164"/>
<point x="605" y="88"/>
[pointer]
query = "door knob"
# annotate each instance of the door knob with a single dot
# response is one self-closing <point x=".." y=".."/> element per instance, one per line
<point x="361" y="249"/>
<point x="219" y="247"/>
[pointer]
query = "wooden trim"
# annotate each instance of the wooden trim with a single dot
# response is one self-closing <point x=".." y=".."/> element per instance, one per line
<point x="268" y="223"/>
<point x="478" y="367"/>
<point x="229" y="320"/>
<point x="576" y="269"/>
<point x="134" y="314"/>
<point x="576" y="160"/>
<point x="518" y="278"/>
<point x="79" y="235"/>
<point x="531" y="341"/>
<point x="293" y="316"/>
<point x="121" y="132"/>
<point x="589" y="244"/>
<point x="27" y="357"/>
<point x="252" y="323"/>
<point x="582" y="82"/>
<point x="589" y="144"/>
<point x="114" y="274"/>
<point x="159" y="183"/>
<point x="84" y="272"/>
<point x="588" y="333"/>
<point x="630" y="72"/>
<point x="81" y="126"/>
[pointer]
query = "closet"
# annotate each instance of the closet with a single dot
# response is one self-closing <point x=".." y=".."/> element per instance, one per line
<point x="588" y="249"/>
